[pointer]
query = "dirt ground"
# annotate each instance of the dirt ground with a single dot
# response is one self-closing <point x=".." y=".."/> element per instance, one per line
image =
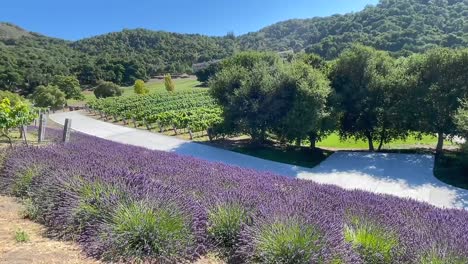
<point x="38" y="249"/>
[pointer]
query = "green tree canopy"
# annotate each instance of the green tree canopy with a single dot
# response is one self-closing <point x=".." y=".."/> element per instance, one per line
<point x="107" y="89"/>
<point x="49" y="96"/>
<point x="461" y="118"/>
<point x="245" y="88"/>
<point x="140" y="88"/>
<point x="13" y="97"/>
<point x="69" y="85"/>
<point x="169" y="83"/>
<point x="441" y="83"/>
<point x="366" y="96"/>
<point x="305" y="90"/>
<point x="13" y="115"/>
<point x="260" y="93"/>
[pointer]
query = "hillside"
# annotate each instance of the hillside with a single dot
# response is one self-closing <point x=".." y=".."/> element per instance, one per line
<point x="400" y="26"/>
<point x="10" y="31"/>
<point x="162" y="51"/>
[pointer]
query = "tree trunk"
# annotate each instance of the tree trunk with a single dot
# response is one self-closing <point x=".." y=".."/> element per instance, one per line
<point x="440" y="142"/>
<point x="298" y="142"/>
<point x="382" y="139"/>
<point x="190" y="134"/>
<point x="369" y="139"/>
<point x="379" y="148"/>
<point x="313" y="140"/>
<point x="24" y="134"/>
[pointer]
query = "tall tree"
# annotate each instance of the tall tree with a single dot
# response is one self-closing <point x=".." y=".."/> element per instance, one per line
<point x="49" y="96"/>
<point x="140" y="88"/>
<point x="361" y="93"/>
<point x="305" y="90"/>
<point x="69" y="85"/>
<point x="169" y="83"/>
<point x="441" y="84"/>
<point x="245" y="88"/>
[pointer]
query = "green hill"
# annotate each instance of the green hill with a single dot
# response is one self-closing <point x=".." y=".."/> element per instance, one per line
<point x="400" y="26"/>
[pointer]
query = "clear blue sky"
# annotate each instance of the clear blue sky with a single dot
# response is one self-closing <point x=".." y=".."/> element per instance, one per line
<point x="76" y="19"/>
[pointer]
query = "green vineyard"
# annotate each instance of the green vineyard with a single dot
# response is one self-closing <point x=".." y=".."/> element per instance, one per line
<point x="193" y="111"/>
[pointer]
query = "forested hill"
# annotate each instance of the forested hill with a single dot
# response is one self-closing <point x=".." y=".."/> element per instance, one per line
<point x="400" y="26"/>
<point x="158" y="48"/>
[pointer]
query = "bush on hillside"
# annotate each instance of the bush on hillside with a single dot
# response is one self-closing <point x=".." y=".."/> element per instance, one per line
<point x="107" y="89"/>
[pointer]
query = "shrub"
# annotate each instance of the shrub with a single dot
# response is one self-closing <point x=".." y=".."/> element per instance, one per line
<point x="169" y="83"/>
<point x="13" y="116"/>
<point x="434" y="258"/>
<point x="374" y="243"/>
<point x="209" y="70"/>
<point x="141" y="231"/>
<point x="107" y="89"/>
<point x="287" y="241"/>
<point x="225" y="223"/>
<point x="93" y="205"/>
<point x="30" y="210"/>
<point x="21" y="187"/>
<point x="49" y="96"/>
<point x="21" y="236"/>
<point x="140" y="88"/>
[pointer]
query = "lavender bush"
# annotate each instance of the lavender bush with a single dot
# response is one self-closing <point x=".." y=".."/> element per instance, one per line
<point x="125" y="203"/>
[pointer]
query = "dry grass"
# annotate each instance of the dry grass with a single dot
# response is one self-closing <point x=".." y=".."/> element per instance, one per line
<point x="38" y="249"/>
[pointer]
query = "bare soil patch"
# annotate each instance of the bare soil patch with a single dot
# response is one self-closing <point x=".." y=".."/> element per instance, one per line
<point x="39" y="249"/>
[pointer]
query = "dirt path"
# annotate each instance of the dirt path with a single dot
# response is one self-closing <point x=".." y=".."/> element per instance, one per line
<point x="38" y="249"/>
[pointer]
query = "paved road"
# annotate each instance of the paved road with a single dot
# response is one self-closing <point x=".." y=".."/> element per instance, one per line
<point x="404" y="175"/>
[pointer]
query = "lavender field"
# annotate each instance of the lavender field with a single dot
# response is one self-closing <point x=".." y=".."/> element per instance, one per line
<point x="124" y="203"/>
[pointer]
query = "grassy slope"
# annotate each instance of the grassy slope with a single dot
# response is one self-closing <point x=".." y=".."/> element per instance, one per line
<point x="333" y="141"/>
<point x="154" y="87"/>
<point x="158" y="86"/>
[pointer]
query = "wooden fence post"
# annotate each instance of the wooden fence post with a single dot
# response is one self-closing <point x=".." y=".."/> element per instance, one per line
<point x="190" y="133"/>
<point x="146" y="124"/>
<point x="66" y="130"/>
<point x="42" y="128"/>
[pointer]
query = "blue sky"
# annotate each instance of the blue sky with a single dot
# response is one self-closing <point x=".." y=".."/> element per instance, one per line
<point x="76" y="19"/>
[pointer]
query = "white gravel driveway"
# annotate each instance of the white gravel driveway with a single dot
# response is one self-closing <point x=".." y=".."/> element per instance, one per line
<point x="403" y="175"/>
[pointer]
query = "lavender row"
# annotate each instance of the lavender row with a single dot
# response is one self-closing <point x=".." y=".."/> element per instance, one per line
<point x="126" y="203"/>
